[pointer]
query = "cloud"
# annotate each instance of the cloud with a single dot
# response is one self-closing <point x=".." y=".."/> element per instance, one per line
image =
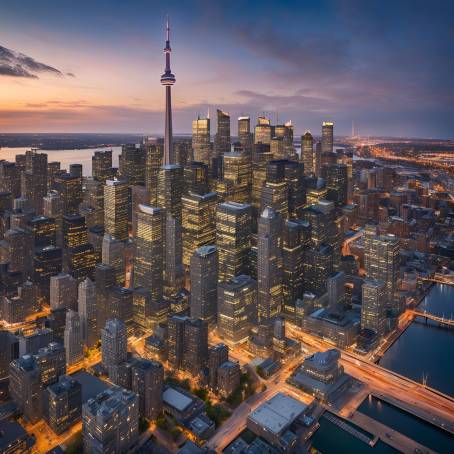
<point x="16" y="64"/>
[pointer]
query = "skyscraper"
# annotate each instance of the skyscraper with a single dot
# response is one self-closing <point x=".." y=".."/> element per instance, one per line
<point x="381" y="259"/>
<point x="101" y="163"/>
<point x="204" y="280"/>
<point x="307" y="153"/>
<point x="170" y="189"/>
<point x="237" y="307"/>
<point x="87" y="311"/>
<point x="132" y="164"/>
<point x="327" y="136"/>
<point x="263" y="131"/>
<point x="62" y="404"/>
<point x="168" y="79"/>
<point x="222" y="138"/>
<point x="187" y="343"/>
<point x="34" y="179"/>
<point x="201" y="140"/>
<point x="148" y="258"/>
<point x="244" y="134"/>
<point x="110" y="421"/>
<point x="73" y="338"/>
<point x="233" y="239"/>
<point x="116" y="199"/>
<point x="373" y="306"/>
<point x="236" y="182"/>
<point x="114" y="343"/>
<point x="148" y="382"/>
<point x="199" y="222"/>
<point x="269" y="266"/>
<point x="63" y="292"/>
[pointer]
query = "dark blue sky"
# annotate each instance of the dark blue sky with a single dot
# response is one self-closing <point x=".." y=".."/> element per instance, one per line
<point x="386" y="65"/>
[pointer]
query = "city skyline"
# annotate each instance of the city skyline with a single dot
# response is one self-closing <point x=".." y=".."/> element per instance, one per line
<point x="96" y="70"/>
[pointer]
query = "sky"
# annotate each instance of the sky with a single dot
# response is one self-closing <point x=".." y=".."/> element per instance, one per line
<point x="94" y="66"/>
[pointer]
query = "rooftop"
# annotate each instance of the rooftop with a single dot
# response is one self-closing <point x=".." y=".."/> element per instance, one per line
<point x="176" y="399"/>
<point x="278" y="413"/>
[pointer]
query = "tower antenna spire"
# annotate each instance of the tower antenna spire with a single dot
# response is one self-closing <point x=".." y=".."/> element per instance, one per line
<point x="168" y="79"/>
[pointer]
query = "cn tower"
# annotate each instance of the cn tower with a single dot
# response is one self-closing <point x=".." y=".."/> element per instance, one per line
<point x="168" y="79"/>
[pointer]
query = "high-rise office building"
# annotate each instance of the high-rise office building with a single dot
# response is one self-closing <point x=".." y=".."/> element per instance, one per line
<point x="20" y="250"/>
<point x="73" y="338"/>
<point x="113" y="254"/>
<point x="327" y="136"/>
<point x="374" y="306"/>
<point x="204" y="280"/>
<point x="233" y="239"/>
<point x="101" y="164"/>
<point x="170" y="189"/>
<point x="25" y="387"/>
<point x="195" y="178"/>
<point x="110" y="421"/>
<point x="285" y="133"/>
<point x="121" y="306"/>
<point x="381" y="260"/>
<point x="44" y="231"/>
<point x="318" y="266"/>
<point x="336" y="289"/>
<point x="47" y="262"/>
<point x="295" y="240"/>
<point x="79" y="257"/>
<point x="148" y="258"/>
<point x="237" y="308"/>
<point x="105" y="280"/>
<point x="9" y="352"/>
<point x="62" y="404"/>
<point x="307" y="153"/>
<point x="269" y="266"/>
<point x="201" y="140"/>
<point x="245" y="136"/>
<point x="132" y="164"/>
<point x="222" y="141"/>
<point x="114" y="343"/>
<point x="34" y="179"/>
<point x="235" y="185"/>
<point x="153" y="162"/>
<point x="63" y="292"/>
<point x="148" y="383"/>
<point x="198" y="222"/>
<point x="116" y="199"/>
<point x="51" y="362"/>
<point x="70" y="189"/>
<point x="336" y="178"/>
<point x="217" y="355"/>
<point x="263" y="131"/>
<point x="87" y="312"/>
<point x="274" y="195"/>
<point x="10" y="179"/>
<point x="187" y="343"/>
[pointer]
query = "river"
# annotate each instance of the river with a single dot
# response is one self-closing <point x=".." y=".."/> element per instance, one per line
<point x="425" y="351"/>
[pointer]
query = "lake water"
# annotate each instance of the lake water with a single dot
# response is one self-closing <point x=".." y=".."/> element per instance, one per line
<point x="424" y="350"/>
<point x="65" y="157"/>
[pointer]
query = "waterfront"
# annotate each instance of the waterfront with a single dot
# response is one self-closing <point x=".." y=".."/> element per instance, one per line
<point x="421" y="351"/>
<point x="330" y="438"/>
<point x="65" y="157"/>
<point x="413" y="427"/>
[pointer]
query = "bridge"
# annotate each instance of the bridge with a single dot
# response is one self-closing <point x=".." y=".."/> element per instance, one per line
<point x="438" y="279"/>
<point x="442" y="321"/>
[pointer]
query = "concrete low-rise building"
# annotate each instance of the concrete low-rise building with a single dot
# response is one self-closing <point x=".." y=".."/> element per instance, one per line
<point x="274" y="420"/>
<point x="321" y="375"/>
